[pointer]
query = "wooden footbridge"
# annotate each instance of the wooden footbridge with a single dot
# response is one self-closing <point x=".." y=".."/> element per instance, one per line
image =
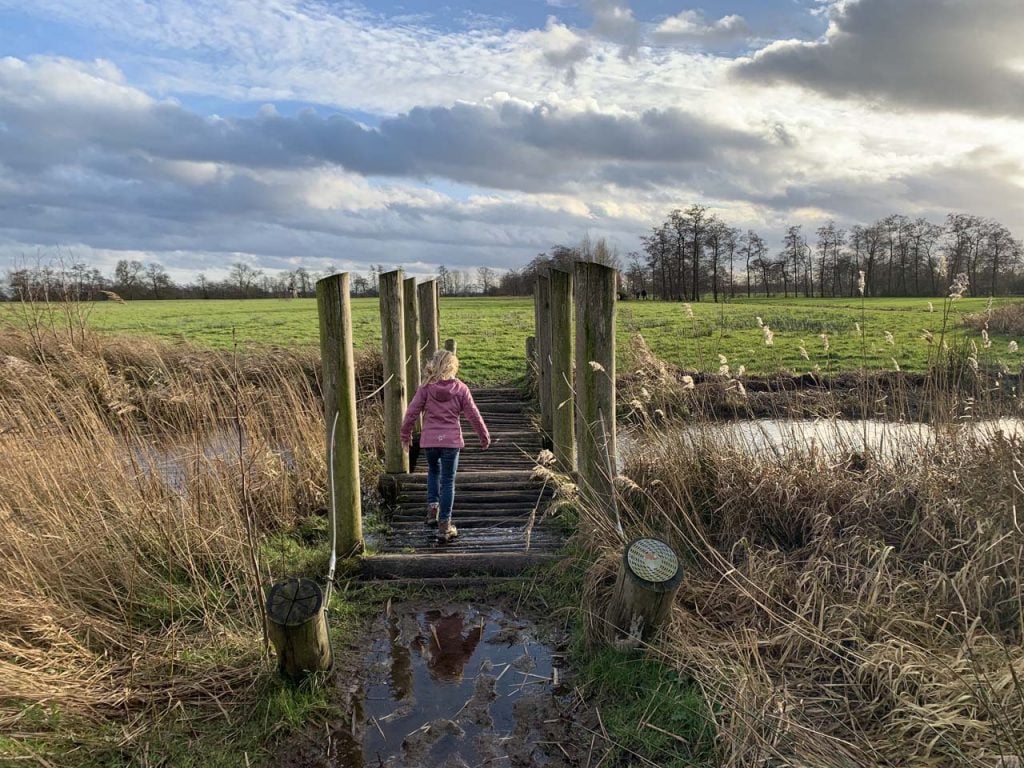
<point x="500" y="502"/>
<point x="499" y="505"/>
<point x="499" y="499"/>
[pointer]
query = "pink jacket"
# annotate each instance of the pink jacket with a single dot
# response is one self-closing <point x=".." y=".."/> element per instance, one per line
<point x="441" y="403"/>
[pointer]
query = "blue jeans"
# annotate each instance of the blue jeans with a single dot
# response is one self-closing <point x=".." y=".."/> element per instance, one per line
<point x="442" y="464"/>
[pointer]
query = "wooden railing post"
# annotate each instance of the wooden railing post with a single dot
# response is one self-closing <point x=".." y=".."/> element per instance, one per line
<point x="531" y="361"/>
<point x="563" y="437"/>
<point x="392" y="326"/>
<point x="543" y="315"/>
<point x="429" y="317"/>
<point x="339" y="371"/>
<point x="411" y="313"/>
<point x="594" y="286"/>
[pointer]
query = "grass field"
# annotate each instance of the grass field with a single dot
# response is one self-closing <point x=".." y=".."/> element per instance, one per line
<point x="492" y="331"/>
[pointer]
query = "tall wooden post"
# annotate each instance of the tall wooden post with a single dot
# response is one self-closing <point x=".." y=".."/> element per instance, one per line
<point x="429" y="316"/>
<point x="334" y="309"/>
<point x="563" y="437"/>
<point x="594" y="286"/>
<point x="411" y="313"/>
<point x="542" y="296"/>
<point x="392" y="326"/>
<point x="531" y="361"/>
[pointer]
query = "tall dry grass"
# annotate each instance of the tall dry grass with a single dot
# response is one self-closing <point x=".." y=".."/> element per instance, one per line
<point x="840" y="607"/>
<point x="140" y="482"/>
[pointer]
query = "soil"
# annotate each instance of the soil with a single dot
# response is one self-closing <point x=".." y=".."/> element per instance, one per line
<point x="452" y="685"/>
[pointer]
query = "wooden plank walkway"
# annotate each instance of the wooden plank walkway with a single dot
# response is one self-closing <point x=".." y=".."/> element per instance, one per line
<point x="498" y="505"/>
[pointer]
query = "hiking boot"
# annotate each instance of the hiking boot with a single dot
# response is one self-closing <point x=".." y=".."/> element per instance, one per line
<point x="432" y="511"/>
<point x="446" y="532"/>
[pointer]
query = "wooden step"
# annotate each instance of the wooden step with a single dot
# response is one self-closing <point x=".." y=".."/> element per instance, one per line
<point x="453" y="563"/>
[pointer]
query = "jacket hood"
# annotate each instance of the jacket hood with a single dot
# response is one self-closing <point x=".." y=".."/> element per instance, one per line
<point x="443" y="390"/>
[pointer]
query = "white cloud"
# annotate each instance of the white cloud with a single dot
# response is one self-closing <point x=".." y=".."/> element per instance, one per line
<point x="691" y="26"/>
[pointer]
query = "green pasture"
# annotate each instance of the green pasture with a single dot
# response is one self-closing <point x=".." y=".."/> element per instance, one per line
<point x="491" y="331"/>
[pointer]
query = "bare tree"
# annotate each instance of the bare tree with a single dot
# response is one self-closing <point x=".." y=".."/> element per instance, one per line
<point x="486" y="277"/>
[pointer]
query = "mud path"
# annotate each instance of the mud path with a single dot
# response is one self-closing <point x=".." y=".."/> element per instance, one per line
<point x="454" y="686"/>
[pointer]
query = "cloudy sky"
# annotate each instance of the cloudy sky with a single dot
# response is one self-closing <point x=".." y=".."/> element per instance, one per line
<point x="470" y="133"/>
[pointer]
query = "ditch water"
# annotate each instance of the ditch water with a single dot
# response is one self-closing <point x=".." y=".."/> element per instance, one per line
<point x="451" y="687"/>
<point x="886" y="439"/>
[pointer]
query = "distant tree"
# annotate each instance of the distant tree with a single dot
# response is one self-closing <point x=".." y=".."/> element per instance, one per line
<point x="244" y="276"/>
<point x="157" y="278"/>
<point x="486" y="277"/>
<point x="128" y="277"/>
<point x="753" y="248"/>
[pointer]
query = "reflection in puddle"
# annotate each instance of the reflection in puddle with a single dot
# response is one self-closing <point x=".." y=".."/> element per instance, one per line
<point x="448" y="687"/>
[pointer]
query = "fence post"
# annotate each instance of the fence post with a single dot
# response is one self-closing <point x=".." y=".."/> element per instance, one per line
<point x="411" y="313"/>
<point x="339" y="371"/>
<point x="594" y="286"/>
<point x="543" y="317"/>
<point x="563" y="437"/>
<point x="451" y="345"/>
<point x="396" y="460"/>
<point x="531" y="361"/>
<point x="429" y="317"/>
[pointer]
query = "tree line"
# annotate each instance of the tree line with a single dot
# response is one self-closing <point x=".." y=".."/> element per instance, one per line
<point x="692" y="255"/>
<point x="133" y="279"/>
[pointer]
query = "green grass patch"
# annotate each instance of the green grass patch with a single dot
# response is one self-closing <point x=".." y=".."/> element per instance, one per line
<point x="492" y="331"/>
<point x="649" y="709"/>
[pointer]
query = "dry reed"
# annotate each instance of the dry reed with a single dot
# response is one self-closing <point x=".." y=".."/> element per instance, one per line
<point x="841" y="607"/>
<point x="125" y="561"/>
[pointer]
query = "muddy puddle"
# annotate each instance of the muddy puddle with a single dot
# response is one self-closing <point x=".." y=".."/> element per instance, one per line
<point x="451" y="687"/>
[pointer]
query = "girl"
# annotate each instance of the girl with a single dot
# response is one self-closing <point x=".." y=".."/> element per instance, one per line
<point x="442" y="398"/>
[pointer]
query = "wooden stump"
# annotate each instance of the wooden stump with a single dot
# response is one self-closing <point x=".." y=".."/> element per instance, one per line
<point x="649" y="577"/>
<point x="297" y="625"/>
<point x="452" y="346"/>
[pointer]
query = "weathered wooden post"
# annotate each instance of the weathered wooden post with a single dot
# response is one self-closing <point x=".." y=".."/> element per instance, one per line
<point x="297" y="626"/>
<point x="396" y="459"/>
<point x="594" y="288"/>
<point x="563" y="437"/>
<point x="451" y="345"/>
<point x="649" y="577"/>
<point x="531" y="360"/>
<point x="411" y="313"/>
<point x="543" y="302"/>
<point x="339" y="371"/>
<point x="429" y="320"/>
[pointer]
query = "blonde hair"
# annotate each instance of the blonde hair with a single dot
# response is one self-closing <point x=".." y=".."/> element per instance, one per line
<point x="444" y="365"/>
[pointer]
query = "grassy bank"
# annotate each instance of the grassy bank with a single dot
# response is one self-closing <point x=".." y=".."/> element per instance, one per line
<point x="492" y="331"/>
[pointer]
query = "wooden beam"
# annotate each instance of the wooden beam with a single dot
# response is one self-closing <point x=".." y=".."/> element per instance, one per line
<point x="334" y="310"/>
<point x="531" y="361"/>
<point x="411" y="314"/>
<point x="543" y="300"/>
<point x="428" y="330"/>
<point x="594" y="286"/>
<point x="563" y="436"/>
<point x="396" y="458"/>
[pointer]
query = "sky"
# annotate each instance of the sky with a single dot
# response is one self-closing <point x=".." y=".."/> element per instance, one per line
<point x="287" y="133"/>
